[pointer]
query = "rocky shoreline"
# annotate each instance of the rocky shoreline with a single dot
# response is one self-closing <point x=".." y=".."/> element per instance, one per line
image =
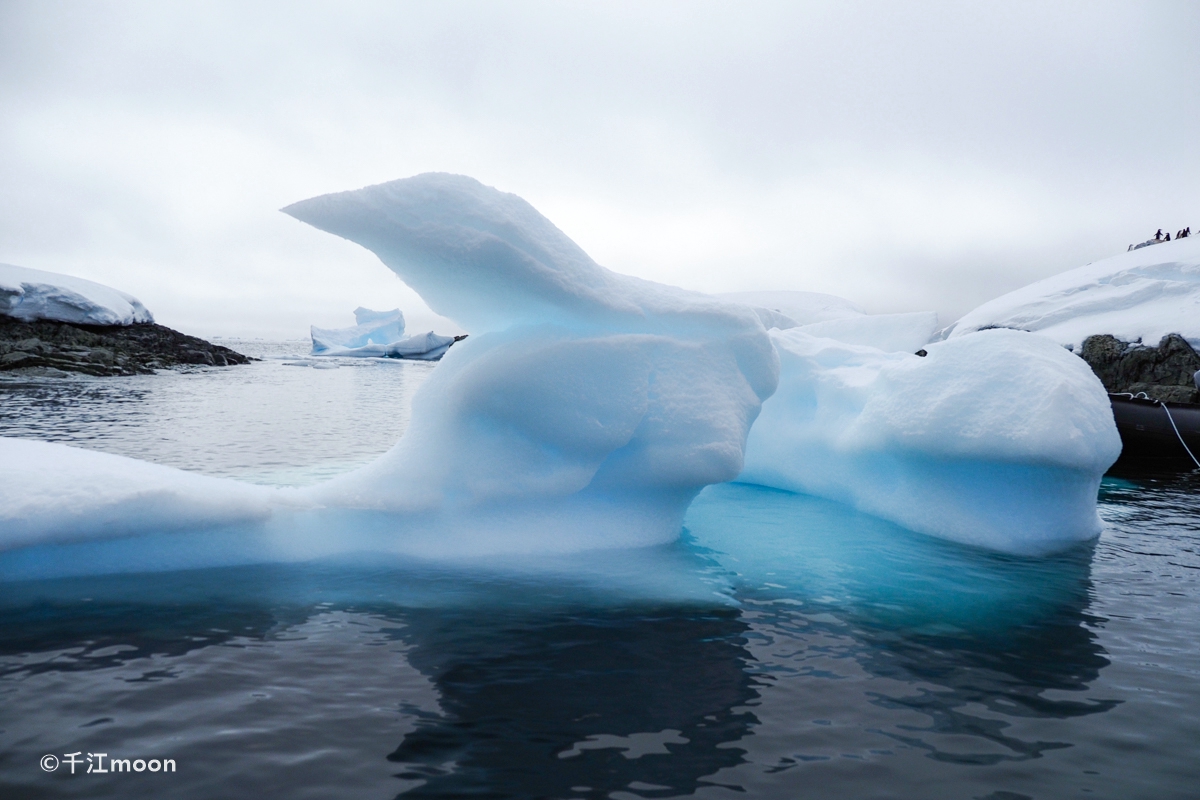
<point x="1163" y="372"/>
<point x="104" y="350"/>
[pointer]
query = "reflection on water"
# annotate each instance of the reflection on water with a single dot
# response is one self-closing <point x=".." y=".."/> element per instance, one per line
<point x="434" y="682"/>
<point x="533" y="707"/>
<point x="785" y="647"/>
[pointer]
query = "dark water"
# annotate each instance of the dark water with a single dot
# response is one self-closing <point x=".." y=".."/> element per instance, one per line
<point x="786" y="647"/>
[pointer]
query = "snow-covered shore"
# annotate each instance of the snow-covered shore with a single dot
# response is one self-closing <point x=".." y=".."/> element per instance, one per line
<point x="1137" y="296"/>
<point x="33" y="294"/>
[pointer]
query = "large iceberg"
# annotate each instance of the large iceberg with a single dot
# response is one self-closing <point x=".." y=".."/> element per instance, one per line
<point x="589" y="408"/>
<point x="586" y="410"/>
<point x="33" y="294"/>
<point x="1140" y="295"/>
<point x="998" y="439"/>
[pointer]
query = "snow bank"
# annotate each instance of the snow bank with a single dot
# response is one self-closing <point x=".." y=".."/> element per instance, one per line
<point x="1143" y="294"/>
<point x="998" y="439"/>
<point x="586" y="409"/>
<point x="33" y="294"/>
<point x="373" y="327"/>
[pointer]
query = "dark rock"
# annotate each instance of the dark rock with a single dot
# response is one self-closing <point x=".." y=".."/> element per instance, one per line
<point x="1163" y="372"/>
<point x="105" y="349"/>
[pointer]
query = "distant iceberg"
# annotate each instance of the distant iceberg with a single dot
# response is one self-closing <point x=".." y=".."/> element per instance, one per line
<point x="33" y="294"/>
<point x="372" y="327"/>
<point x="379" y="334"/>
<point x="1139" y="295"/>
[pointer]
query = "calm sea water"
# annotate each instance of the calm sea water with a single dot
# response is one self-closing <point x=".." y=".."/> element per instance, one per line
<point x="785" y="647"/>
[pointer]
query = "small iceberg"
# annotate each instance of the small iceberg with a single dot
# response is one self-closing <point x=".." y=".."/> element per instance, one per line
<point x="379" y="334"/>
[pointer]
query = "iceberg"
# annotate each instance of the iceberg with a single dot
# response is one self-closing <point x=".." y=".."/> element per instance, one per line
<point x="586" y="410"/>
<point x="1139" y="295"/>
<point x="33" y="294"/>
<point x="379" y="334"/>
<point x="428" y="346"/>
<point x="371" y="327"/>
<point x="997" y="439"/>
<point x="589" y="408"/>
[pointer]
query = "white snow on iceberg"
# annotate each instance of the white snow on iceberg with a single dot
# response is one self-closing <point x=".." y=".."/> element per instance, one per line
<point x="33" y="294"/>
<point x="998" y="439"/>
<point x="1140" y="295"/>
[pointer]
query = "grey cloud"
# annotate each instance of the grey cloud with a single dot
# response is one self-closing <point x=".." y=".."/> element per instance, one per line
<point x="905" y="157"/>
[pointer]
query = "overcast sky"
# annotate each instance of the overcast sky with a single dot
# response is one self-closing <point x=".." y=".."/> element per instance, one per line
<point x="905" y="158"/>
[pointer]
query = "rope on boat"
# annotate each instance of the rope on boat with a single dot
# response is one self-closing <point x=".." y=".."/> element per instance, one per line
<point x="1181" y="441"/>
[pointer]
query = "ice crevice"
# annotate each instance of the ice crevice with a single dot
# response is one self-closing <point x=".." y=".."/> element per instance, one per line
<point x="588" y="408"/>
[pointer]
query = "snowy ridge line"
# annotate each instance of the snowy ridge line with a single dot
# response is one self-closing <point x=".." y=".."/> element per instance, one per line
<point x="1139" y="295"/>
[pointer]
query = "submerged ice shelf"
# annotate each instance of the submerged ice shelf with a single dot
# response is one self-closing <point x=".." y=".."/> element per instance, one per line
<point x="589" y="408"/>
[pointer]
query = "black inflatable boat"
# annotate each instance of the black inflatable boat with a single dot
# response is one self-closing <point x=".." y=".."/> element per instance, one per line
<point x="1155" y="434"/>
